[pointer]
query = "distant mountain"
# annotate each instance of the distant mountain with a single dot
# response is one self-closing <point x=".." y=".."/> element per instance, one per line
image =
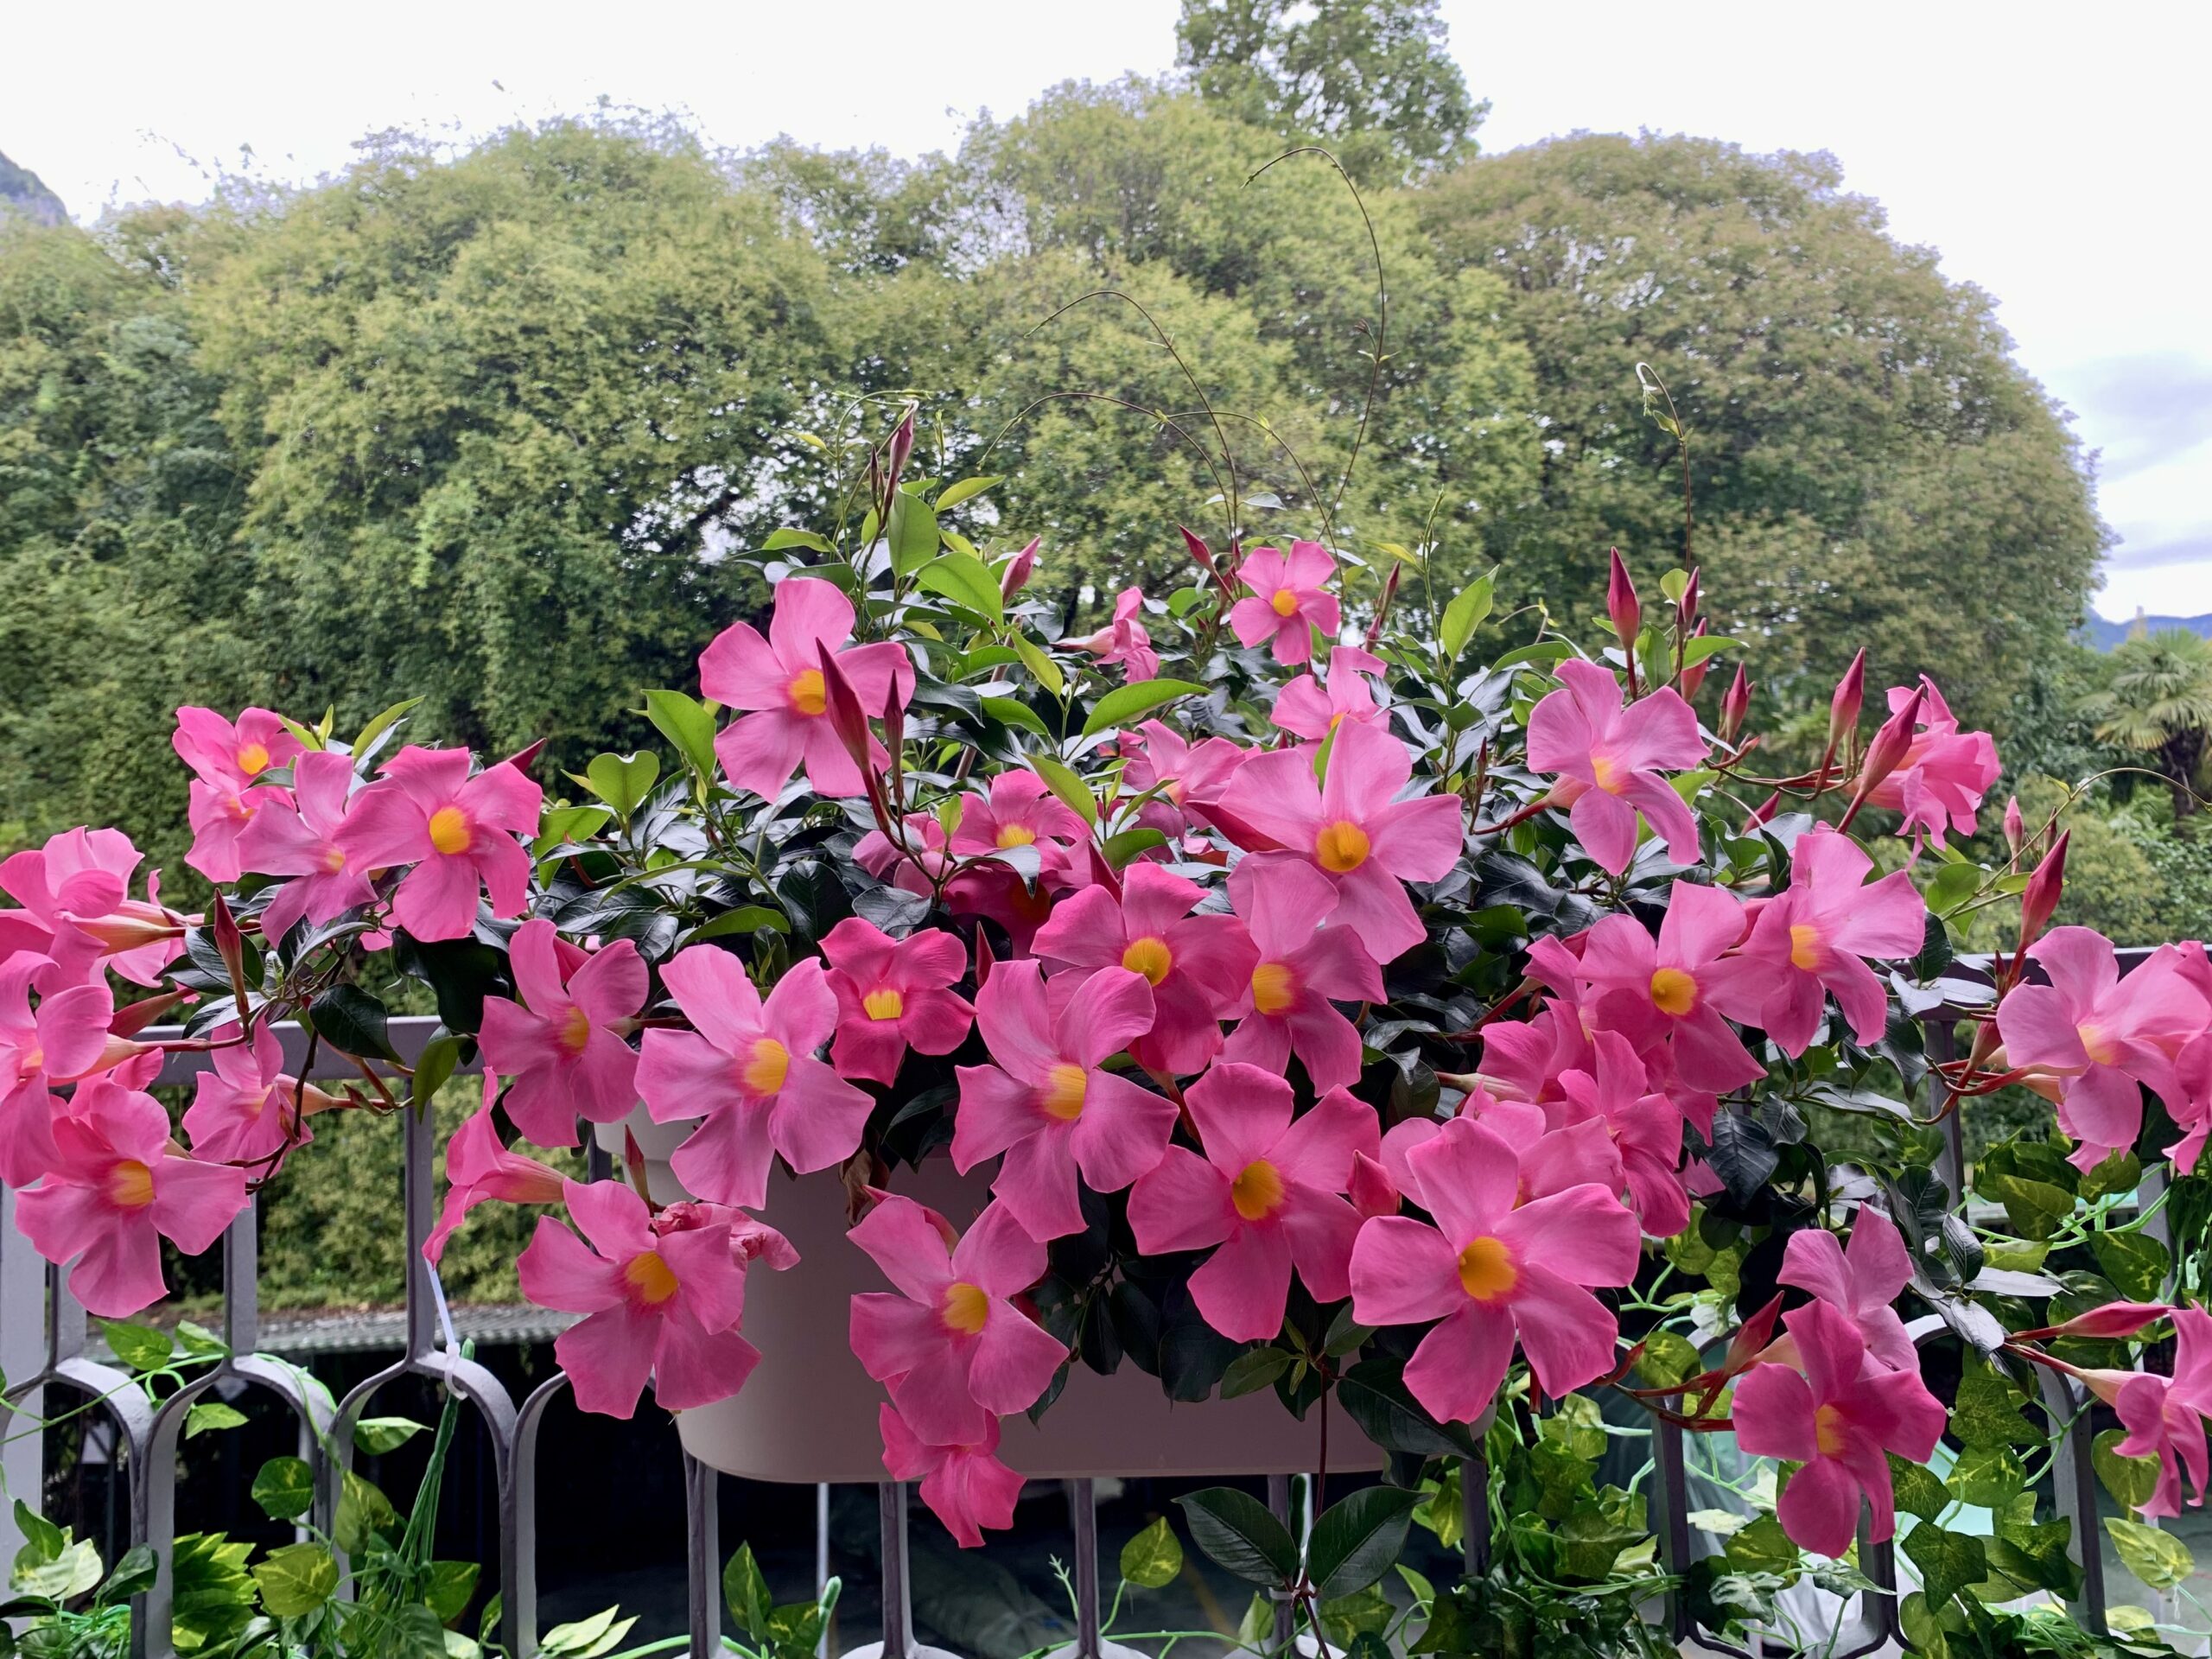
<point x="2105" y="635"/>
<point x="22" y="191"/>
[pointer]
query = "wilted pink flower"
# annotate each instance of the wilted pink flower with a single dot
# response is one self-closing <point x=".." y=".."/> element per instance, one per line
<point x="1644" y="1126"/>
<point x="2102" y="1034"/>
<point x="457" y="830"/>
<point x="1269" y="1192"/>
<point x="663" y="1303"/>
<point x="1290" y="600"/>
<point x="245" y="1109"/>
<point x="227" y="759"/>
<point x="1125" y="639"/>
<point x="117" y="1188"/>
<point x="563" y="1044"/>
<point x="1487" y="1271"/>
<point x="479" y="1168"/>
<point x="951" y="1345"/>
<point x="1196" y="966"/>
<point x="1838" y="1420"/>
<point x="1814" y="939"/>
<point x="76" y="907"/>
<point x="965" y="1486"/>
<point x="749" y="1070"/>
<point x="1609" y="760"/>
<point x="1305" y="708"/>
<point x="1861" y="1279"/>
<point x="62" y="1039"/>
<point x="1940" y="780"/>
<point x="1048" y="1105"/>
<point x="297" y="835"/>
<point x="1660" y="992"/>
<point x="777" y="685"/>
<point x="1303" y="967"/>
<point x="2165" y="1416"/>
<point x="893" y="995"/>
<point x="1354" y="829"/>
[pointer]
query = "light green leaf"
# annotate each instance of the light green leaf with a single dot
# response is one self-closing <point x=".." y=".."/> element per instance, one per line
<point x="377" y="1435"/>
<point x="778" y="540"/>
<point x="141" y="1347"/>
<point x="962" y="578"/>
<point x="913" y="533"/>
<point x="1154" y="1558"/>
<point x="2130" y="1480"/>
<point x="1121" y="847"/>
<point x="1073" y="791"/>
<point x="1697" y="650"/>
<point x="685" y="721"/>
<point x="1125" y="703"/>
<point x="383" y="723"/>
<point x="966" y="489"/>
<point x="1469" y="609"/>
<point x="623" y="781"/>
<point x="295" y="1579"/>
<point x="745" y="918"/>
<point x="1042" y="668"/>
<point x="452" y="1584"/>
<point x="2159" y="1559"/>
<point x="284" y="1489"/>
<point x="1954" y="884"/>
<point x="1008" y="712"/>
<point x="211" y="1414"/>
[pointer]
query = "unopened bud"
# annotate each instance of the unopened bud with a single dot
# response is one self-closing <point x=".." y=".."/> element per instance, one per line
<point x="847" y="718"/>
<point x="1019" y="570"/>
<point x="1735" y="705"/>
<point x="1622" y="604"/>
<point x="1763" y="812"/>
<point x="1373" y="1193"/>
<point x="1383" y="606"/>
<point x="1844" y="706"/>
<point x="1686" y="607"/>
<point x="902" y="447"/>
<point x="1891" y="744"/>
<point x="2039" y="902"/>
<point x="2014" y="829"/>
<point x="2112" y="1321"/>
<point x="1694" y="673"/>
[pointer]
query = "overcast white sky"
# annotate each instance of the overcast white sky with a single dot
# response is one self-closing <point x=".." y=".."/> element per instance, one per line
<point x="2055" y="154"/>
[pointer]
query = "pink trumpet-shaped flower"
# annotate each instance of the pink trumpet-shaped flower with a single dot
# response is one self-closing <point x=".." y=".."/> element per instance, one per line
<point x="1860" y="1279"/>
<point x="1305" y="708"/>
<point x="297" y="835"/>
<point x="227" y="759"/>
<point x="119" y="1188"/>
<point x="62" y="1039"/>
<point x="1487" y="1271"/>
<point x="1269" y="1192"/>
<point x="915" y="862"/>
<point x="663" y="1303"/>
<point x="1303" y="968"/>
<point x="776" y="683"/>
<point x="893" y="995"/>
<point x="1661" y="991"/>
<point x="1021" y="811"/>
<point x="1813" y="939"/>
<point x="2102" y="1035"/>
<point x="2165" y="1416"/>
<point x="246" y="1111"/>
<point x="1837" y="1418"/>
<point x="1048" y="1104"/>
<point x="1290" y="600"/>
<point x="563" y="1044"/>
<point x="750" y="1071"/>
<point x="1125" y="639"/>
<point x="1196" y="966"/>
<point x="951" y="1345"/>
<point x="965" y="1485"/>
<point x="479" y="1169"/>
<point x="77" y="909"/>
<point x="457" y="830"/>
<point x="1191" y="776"/>
<point x="1352" y="827"/>
<point x="1645" y="1127"/>
<point x="1939" y="783"/>
<point x="1609" y="758"/>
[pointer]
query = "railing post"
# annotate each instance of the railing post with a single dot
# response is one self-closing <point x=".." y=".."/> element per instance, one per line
<point x="1279" y="1502"/>
<point x="703" y="1556"/>
<point x="23" y="1339"/>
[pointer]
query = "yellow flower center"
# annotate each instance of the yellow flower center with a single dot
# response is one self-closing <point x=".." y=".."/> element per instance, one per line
<point x="764" y="1072"/>
<point x="1673" y="992"/>
<point x="1016" y="835"/>
<point x="807" y="694"/>
<point x="1285" y="602"/>
<point x="576" y="1030"/>
<point x="1805" y="947"/>
<point x="1486" y="1269"/>
<point x="1829" y="1431"/>
<point x="332" y="860"/>
<point x="651" y="1280"/>
<point x="1257" y="1190"/>
<point x="130" y="1185"/>
<point x="252" y="1101"/>
<point x="1062" y="1095"/>
<point x="1342" y="847"/>
<point x="884" y="1003"/>
<point x="253" y="758"/>
<point x="2100" y="1049"/>
<point x="1608" y="771"/>
<point x="966" y="1308"/>
<point x="29" y="1061"/>
<point x="449" y="832"/>
<point x="1273" y="986"/>
<point x="1149" y="957"/>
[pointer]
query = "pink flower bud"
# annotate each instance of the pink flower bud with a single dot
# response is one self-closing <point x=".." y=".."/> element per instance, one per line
<point x="847" y="718"/>
<point x="2039" y="902"/>
<point x="1735" y="705"/>
<point x="2015" y="831"/>
<point x="1373" y="1193"/>
<point x="1763" y="813"/>
<point x="2113" y="1320"/>
<point x="1843" y="708"/>
<point x="1622" y="604"/>
<point x="1686" y="610"/>
<point x="902" y="447"/>
<point x="1891" y="744"/>
<point x="1693" y="675"/>
<point x="1019" y="570"/>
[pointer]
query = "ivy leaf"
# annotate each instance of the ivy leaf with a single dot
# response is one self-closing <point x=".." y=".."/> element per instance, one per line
<point x="1988" y="1412"/>
<point x="1242" y="1534"/>
<point x="452" y="1586"/>
<point x="284" y="1489"/>
<point x="1154" y="1558"/>
<point x="2130" y="1480"/>
<point x="1949" y="1561"/>
<point x="2159" y="1559"/>
<point x="141" y="1347"/>
<point x="211" y="1414"/>
<point x="1990" y="1476"/>
<point x="295" y="1579"/>
<point x="2136" y="1263"/>
<point x="1920" y="1491"/>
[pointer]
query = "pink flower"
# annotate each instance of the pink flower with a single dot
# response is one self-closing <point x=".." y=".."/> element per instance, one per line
<point x="2102" y="1034"/>
<point x="778" y="681"/>
<point x="1306" y="709"/>
<point x="62" y="1040"/>
<point x="965" y="1485"/>
<point x="1644" y="1126"/>
<point x="750" y="1071"/>
<point x="1838" y="1420"/>
<point x="919" y="859"/>
<point x="893" y="995"/>
<point x="297" y="835"/>
<point x="1268" y="1192"/>
<point x="1125" y="640"/>
<point x="1353" y="828"/>
<point x="118" y="1188"/>
<point x="246" y="1110"/>
<point x="228" y="760"/>
<point x="77" y="907"/>
<point x="479" y="1168"/>
<point x="1290" y="600"/>
<point x="1940" y="782"/>
<point x="1303" y="968"/>
<point x="665" y="1303"/>
<point x="1196" y="966"/>
<point x="1188" y="776"/>
<point x="951" y="1345"/>
<point x="1609" y="760"/>
<point x="2165" y="1416"/>
<point x="1660" y="993"/>
<point x="1021" y="811"/>
<point x="1812" y="940"/>
<point x="1487" y="1271"/>
<point x="1048" y="1105"/>
<point x="563" y="1044"/>
<point x="457" y="830"/>
<point x="1861" y="1280"/>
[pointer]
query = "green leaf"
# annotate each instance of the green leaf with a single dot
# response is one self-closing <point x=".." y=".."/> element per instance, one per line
<point x="1240" y="1534"/>
<point x="1073" y="792"/>
<point x="1703" y="646"/>
<point x="685" y="722"/>
<point x="141" y="1347"/>
<point x="212" y="1599"/>
<point x="1588" y="1543"/>
<point x="1990" y="1476"/>
<point x="966" y="489"/>
<point x="1469" y="609"/>
<point x="295" y="1579"/>
<point x="745" y="918"/>
<point x="433" y="1069"/>
<point x="913" y="533"/>
<point x="2136" y="1263"/>
<point x="284" y="1489"/>
<point x="364" y="1514"/>
<point x="376" y="728"/>
<point x="1125" y="703"/>
<point x="778" y="540"/>
<point x="560" y="825"/>
<point x="623" y="781"/>
<point x="199" y="1340"/>
<point x="747" y="1592"/>
<point x="1919" y="1491"/>
<point x="1668" y="1359"/>
<point x="586" y="1638"/>
<point x="1358" y="1537"/>
<point x="1154" y="1558"/>
<point x="1121" y="847"/>
<point x="1042" y="668"/>
<point x="1374" y="1395"/>
<point x="2130" y="1480"/>
<point x="453" y="1584"/>
<point x="133" y="1576"/>
<point x="1988" y="1412"/>
<point x="1254" y="1370"/>
<point x="1954" y="884"/>
<point x="2159" y="1559"/>
<point x="211" y="1413"/>
<point x="1009" y="712"/>
<point x="1761" y="1546"/>
<point x="1949" y="1561"/>
<point x="377" y="1435"/>
<point x="353" y="1022"/>
<point x="963" y="578"/>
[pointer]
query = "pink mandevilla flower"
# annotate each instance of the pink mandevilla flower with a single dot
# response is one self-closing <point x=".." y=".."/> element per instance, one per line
<point x="298" y="836"/>
<point x="77" y="909"/>
<point x="457" y="832"/>
<point x="951" y="1345"/>
<point x="226" y="758"/>
<point x="893" y="995"/>
<point x="1125" y="639"/>
<point x="1303" y="968"/>
<point x="1268" y="1192"/>
<point x="479" y="1169"/>
<point x="750" y="1070"/>
<point x="2165" y="1415"/>
<point x="1290" y="600"/>
<point x="1610" y="760"/>
<point x="563" y="1044"/>
<point x="1662" y="992"/>
<point x="965" y="1485"/>
<point x="1305" y="708"/>
<point x="63" y="1039"/>
<point x="1939" y="784"/>
<point x="1645" y="1125"/>
<point x="1191" y="776"/>
<point x="1861" y="1279"/>
<point x="244" y="1109"/>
